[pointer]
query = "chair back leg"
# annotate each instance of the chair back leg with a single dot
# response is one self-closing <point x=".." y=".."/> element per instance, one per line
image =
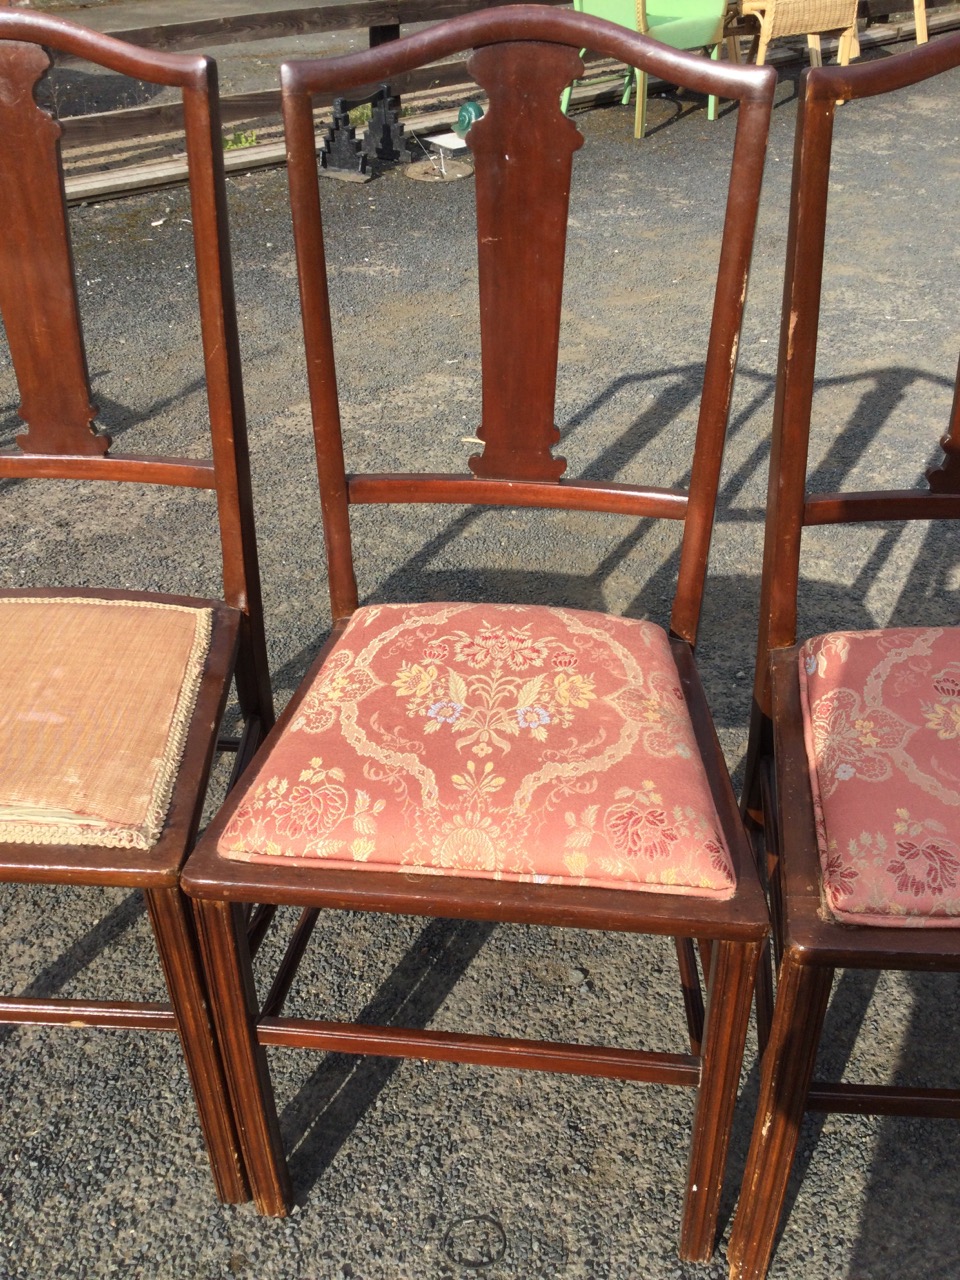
<point x="713" y="100"/>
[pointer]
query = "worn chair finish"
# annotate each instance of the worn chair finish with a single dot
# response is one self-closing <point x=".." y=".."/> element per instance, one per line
<point x="113" y="699"/>
<point x="680" y="24"/>
<point x="416" y="770"/>
<point x="852" y="766"/>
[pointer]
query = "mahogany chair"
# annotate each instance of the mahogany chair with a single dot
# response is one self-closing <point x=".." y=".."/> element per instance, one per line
<point x="104" y="759"/>
<point x="852" y="764"/>
<point x="419" y="769"/>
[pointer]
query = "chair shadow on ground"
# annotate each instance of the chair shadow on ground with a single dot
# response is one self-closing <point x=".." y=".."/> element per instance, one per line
<point x="329" y="1105"/>
<point x="327" y="1108"/>
<point x="60" y="972"/>
<point x="113" y="418"/>
<point x="337" y="1095"/>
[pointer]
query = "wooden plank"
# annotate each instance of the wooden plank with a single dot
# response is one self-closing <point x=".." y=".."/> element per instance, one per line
<point x="331" y="15"/>
<point x="876" y="9"/>
<point x="131" y="179"/>
<point x="141" y="122"/>
<point x="150" y="121"/>
<point x="162" y="173"/>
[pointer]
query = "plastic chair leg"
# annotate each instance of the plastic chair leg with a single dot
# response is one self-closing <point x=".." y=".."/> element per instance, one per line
<point x="565" y="96"/>
<point x="712" y="101"/>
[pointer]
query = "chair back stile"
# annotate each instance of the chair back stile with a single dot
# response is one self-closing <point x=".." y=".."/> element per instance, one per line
<point x="790" y="507"/>
<point x="221" y="356"/>
<point x="729" y="298"/>
<point x="318" y="341"/>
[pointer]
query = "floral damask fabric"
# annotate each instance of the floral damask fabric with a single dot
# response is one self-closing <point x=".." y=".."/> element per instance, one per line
<point x="505" y="742"/>
<point x="882" y="728"/>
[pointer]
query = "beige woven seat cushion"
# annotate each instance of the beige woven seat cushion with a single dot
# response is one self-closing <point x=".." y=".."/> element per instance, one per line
<point x="96" y="697"/>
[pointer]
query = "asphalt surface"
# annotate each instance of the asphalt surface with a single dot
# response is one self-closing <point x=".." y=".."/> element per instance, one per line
<point x="421" y="1171"/>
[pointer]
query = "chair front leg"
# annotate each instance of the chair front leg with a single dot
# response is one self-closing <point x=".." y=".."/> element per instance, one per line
<point x="640" y="118"/>
<point x="733" y="968"/>
<point x="233" y="997"/>
<point x="920" y="18"/>
<point x="178" y="948"/>
<point x="803" y="992"/>
<point x="763" y="40"/>
<point x="848" y="46"/>
<point x="712" y="101"/>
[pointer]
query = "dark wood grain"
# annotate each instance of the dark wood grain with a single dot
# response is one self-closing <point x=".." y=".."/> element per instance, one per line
<point x="489" y="1051"/>
<point x="523" y="150"/>
<point x="43" y="322"/>
<point x="777" y="794"/>
<point x="38" y="288"/>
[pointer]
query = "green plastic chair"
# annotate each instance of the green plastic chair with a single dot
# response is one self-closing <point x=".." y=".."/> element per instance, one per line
<point x="681" y="24"/>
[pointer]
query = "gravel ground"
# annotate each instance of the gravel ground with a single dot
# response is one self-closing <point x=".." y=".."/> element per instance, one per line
<point x="427" y="1170"/>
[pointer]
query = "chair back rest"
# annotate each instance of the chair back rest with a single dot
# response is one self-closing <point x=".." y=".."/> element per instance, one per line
<point x="700" y="20"/>
<point x="624" y="12"/>
<point x="39" y="301"/>
<point x="790" y="507"/>
<point x="523" y="57"/>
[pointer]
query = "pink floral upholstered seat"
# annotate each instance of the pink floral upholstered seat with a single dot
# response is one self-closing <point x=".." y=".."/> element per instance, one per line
<point x="98" y="695"/>
<point x="882" y="727"/>
<point x="508" y="742"/>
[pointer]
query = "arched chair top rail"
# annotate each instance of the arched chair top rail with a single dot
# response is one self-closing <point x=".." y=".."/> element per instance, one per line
<point x="819" y="84"/>
<point x="535" y="23"/>
<point x="180" y="70"/>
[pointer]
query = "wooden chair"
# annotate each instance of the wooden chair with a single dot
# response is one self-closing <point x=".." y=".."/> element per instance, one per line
<point x="113" y="699"/>
<point x="418" y="770"/>
<point x="864" y="859"/>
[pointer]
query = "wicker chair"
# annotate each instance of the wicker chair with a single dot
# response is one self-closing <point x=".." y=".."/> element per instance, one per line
<point x="808" y="18"/>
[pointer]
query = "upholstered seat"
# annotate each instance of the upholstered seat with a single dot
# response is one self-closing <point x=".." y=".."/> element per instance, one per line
<point x="881" y="714"/>
<point x="510" y="742"/>
<point x="98" y="696"/>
